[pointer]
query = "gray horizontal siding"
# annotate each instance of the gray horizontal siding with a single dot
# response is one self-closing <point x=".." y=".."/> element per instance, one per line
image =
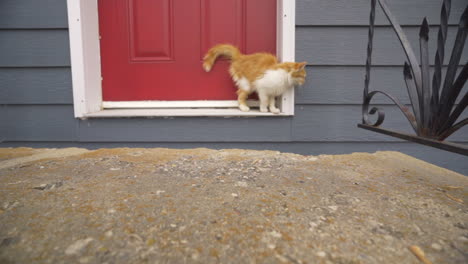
<point x="188" y="129"/>
<point x="344" y="85"/>
<point x="320" y="123"/>
<point x="34" y="48"/>
<point x="3" y="121"/>
<point x="33" y="14"/>
<point x="35" y="86"/>
<point x="56" y="123"/>
<point x="438" y="157"/>
<point x="338" y="123"/>
<point x="317" y="45"/>
<point x="347" y="45"/>
<point x="53" y="13"/>
<point x="39" y="123"/>
<point x="356" y="12"/>
<point x="325" y="85"/>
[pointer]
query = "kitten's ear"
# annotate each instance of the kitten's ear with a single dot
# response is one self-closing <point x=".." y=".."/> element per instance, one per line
<point x="301" y="65"/>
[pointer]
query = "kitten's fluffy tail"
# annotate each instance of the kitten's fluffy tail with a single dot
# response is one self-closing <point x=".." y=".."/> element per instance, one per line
<point x="226" y="50"/>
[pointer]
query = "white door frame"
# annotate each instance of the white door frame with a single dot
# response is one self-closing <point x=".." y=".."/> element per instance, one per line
<point x="87" y="81"/>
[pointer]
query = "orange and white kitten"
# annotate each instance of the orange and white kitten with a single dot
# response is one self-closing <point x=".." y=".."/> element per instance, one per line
<point x="258" y="72"/>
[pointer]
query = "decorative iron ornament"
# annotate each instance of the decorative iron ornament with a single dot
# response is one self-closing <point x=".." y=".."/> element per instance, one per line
<point x="433" y="112"/>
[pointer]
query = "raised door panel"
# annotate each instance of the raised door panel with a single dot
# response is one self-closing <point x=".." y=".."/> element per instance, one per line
<point x="151" y="30"/>
<point x="222" y="22"/>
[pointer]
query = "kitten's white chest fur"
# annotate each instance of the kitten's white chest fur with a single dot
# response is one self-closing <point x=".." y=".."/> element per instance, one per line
<point x="273" y="82"/>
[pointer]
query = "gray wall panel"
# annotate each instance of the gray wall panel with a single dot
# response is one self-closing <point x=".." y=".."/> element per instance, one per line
<point x="347" y="45"/>
<point x="319" y="123"/>
<point x="356" y="12"/>
<point x="34" y="48"/>
<point x="35" y="86"/>
<point x="33" y="14"/>
<point x="317" y="45"/>
<point x="339" y="123"/>
<point x="191" y="129"/>
<point x="441" y="158"/>
<point x="40" y="123"/>
<point x="344" y="85"/>
<point x="325" y="85"/>
<point x="3" y="121"/>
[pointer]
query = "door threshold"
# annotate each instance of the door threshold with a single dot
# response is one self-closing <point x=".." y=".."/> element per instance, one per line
<point x="220" y="112"/>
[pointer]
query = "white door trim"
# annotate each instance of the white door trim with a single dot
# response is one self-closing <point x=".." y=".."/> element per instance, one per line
<point x="86" y="63"/>
<point x="85" y="56"/>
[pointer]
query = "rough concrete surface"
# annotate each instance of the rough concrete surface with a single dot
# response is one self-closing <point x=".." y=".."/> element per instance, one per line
<point x="227" y="206"/>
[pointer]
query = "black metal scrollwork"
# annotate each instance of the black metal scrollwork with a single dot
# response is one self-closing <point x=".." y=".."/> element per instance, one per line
<point x="433" y="109"/>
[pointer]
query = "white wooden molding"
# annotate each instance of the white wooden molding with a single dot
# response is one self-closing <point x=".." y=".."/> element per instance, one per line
<point x="164" y="112"/>
<point x="86" y="71"/>
<point x="286" y="45"/>
<point x="85" y="56"/>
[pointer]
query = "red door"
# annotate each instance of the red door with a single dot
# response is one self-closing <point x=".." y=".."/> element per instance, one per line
<point x="153" y="49"/>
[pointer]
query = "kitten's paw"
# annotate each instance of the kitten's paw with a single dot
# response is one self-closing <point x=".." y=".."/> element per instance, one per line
<point x="275" y="110"/>
<point x="263" y="109"/>
<point x="244" y="108"/>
